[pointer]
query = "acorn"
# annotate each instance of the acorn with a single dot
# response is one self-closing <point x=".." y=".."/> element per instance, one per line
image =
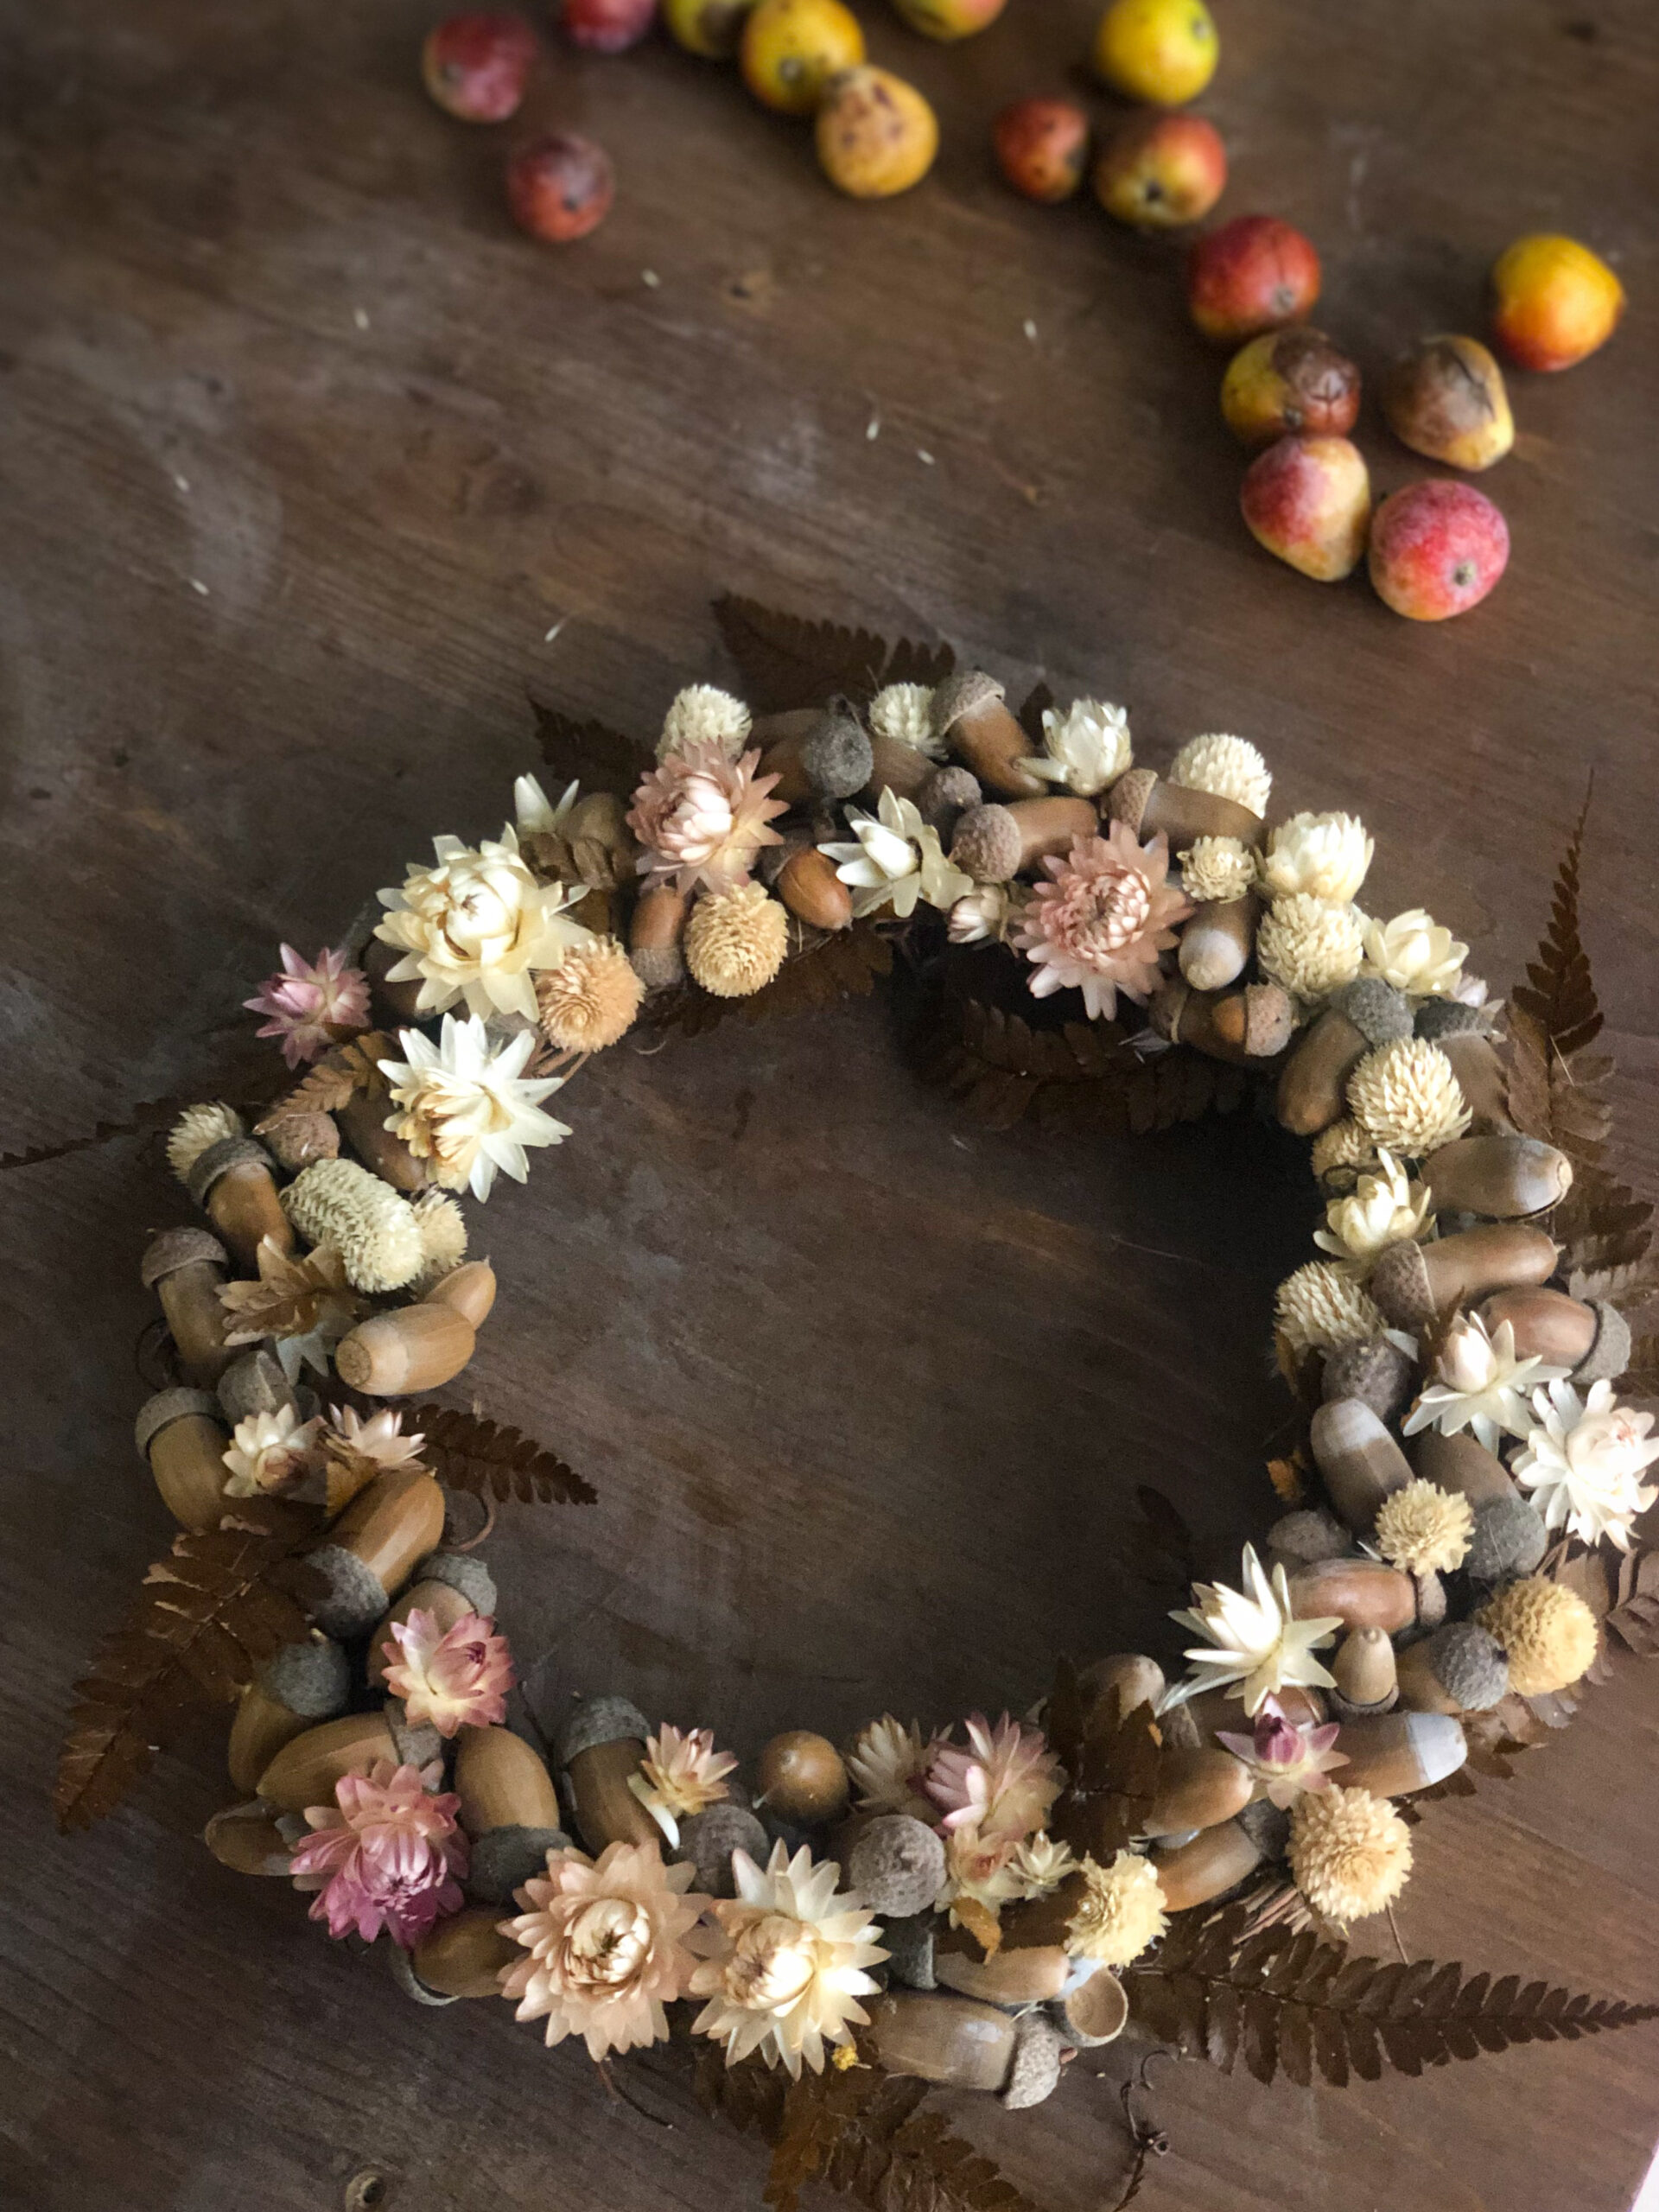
<point x="510" y="1810"/>
<point x="362" y="1121"/>
<point x="707" y="1840"/>
<point x="1038" y="2053"/>
<point x="300" y="1685"/>
<point x="1360" y="1461"/>
<point x="902" y="769"/>
<point x="909" y="1945"/>
<point x="803" y="1779"/>
<point x="601" y="1743"/>
<point x="248" y="1839"/>
<point x="185" y="1268"/>
<point x="970" y="714"/>
<point x="1217" y="942"/>
<point x="1359" y="1592"/>
<point x="1215" y="1860"/>
<point x="1414" y="1284"/>
<point x="254" y="1383"/>
<point x="1252" y="1024"/>
<point x="232" y="1182"/>
<point x="1198" y="1789"/>
<point x="1503" y="1178"/>
<point x="1593" y="1342"/>
<point x="469" y="1289"/>
<point x="1461" y="1034"/>
<point x="446" y="1585"/>
<point x="1214" y="1710"/>
<point x="828" y="758"/>
<point x="409" y="1348"/>
<point x="946" y="796"/>
<point x="654" y="935"/>
<point x="1094" y="2010"/>
<point x="179" y="1433"/>
<point x="396" y="1520"/>
<point x="465" y="1953"/>
<point x="1460" y="1463"/>
<point x="1373" y="1369"/>
<point x="808" y="886"/>
<point x="304" y="1772"/>
<point x="1150" y="808"/>
<point x="1136" y="1680"/>
<point x="1401" y="1752"/>
<point x="959" y="2041"/>
<point x="1367" y="1675"/>
<point x="1026" y="1973"/>
<point x="1458" y="1669"/>
<point x="897" y="1865"/>
<point x="1312" y="1088"/>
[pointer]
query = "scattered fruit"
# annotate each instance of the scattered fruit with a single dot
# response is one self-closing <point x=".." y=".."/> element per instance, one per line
<point x="948" y="19"/>
<point x="560" y="187"/>
<point x="1445" y="399"/>
<point x="474" y="67"/>
<point x="1255" y="273"/>
<point x="876" y="135"/>
<point x="1308" y="500"/>
<point x="1437" y="549"/>
<point x="1041" y="147"/>
<point x="607" y="26"/>
<point x="1290" y="380"/>
<point x="1162" y="171"/>
<point x="1164" y="51"/>
<point x="791" y="49"/>
<point x="1555" y="301"/>
<point x="711" y="27"/>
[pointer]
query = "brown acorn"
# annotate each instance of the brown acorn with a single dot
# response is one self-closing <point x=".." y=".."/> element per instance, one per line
<point x="1401" y="1752"/>
<point x="1215" y="1860"/>
<point x="362" y="1121"/>
<point x="902" y="769"/>
<point x="1359" y="1592"/>
<point x="1314" y="1085"/>
<point x="658" y="924"/>
<point x="185" y="1268"/>
<point x="1152" y="808"/>
<point x="801" y="1777"/>
<point x="179" y="1433"/>
<point x="1367" y="1678"/>
<point x="396" y="1520"/>
<point x="469" y="1289"/>
<point x="465" y="1953"/>
<point x="960" y="2041"/>
<point x="969" y="713"/>
<point x="304" y="1772"/>
<point x="411" y="1348"/>
<point x="1198" y="1789"/>
<point x="808" y="886"/>
<point x="1414" y="1284"/>
<point x="246" y="1839"/>
<point x="1027" y="1975"/>
<point x="1462" y="1464"/>
<point x="1547" y="1324"/>
<point x="1504" y="1178"/>
<point x="827" y="757"/>
<point x="1246" y="1025"/>
<point x="510" y="1810"/>
<point x="600" y="1744"/>
<point x="446" y="1585"/>
<point x="1217" y="942"/>
<point x="1358" y="1457"/>
<point x="232" y="1181"/>
<point x="301" y="1685"/>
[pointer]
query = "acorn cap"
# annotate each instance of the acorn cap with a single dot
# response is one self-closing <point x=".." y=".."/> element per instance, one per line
<point x="959" y="695"/>
<point x="353" y="1597"/>
<point x="504" y="1858"/>
<point x="909" y="1942"/>
<point x="1372" y="1370"/>
<point x="1400" y="1285"/>
<point x="218" y="1159"/>
<point x="254" y="1384"/>
<point x="707" y="1840"/>
<point x="1376" y="1008"/>
<point x="1610" y="1355"/>
<point x="401" y="1967"/>
<point x="1469" y="1665"/>
<point x="987" y="843"/>
<point x="1438" y="1018"/>
<point x="1267" y="1826"/>
<point x="836" y="758"/>
<point x="167" y="1406"/>
<point x="659" y="967"/>
<point x="312" y="1678"/>
<point x="897" y="1865"/>
<point x="1270" y="1020"/>
<point x="462" y="1571"/>
<point x="947" y="794"/>
<point x="598" y="1721"/>
<point x="179" y="1248"/>
<point x="1127" y="801"/>
<point x="418" y="1743"/>
<point x="1312" y="1533"/>
<point x="1509" y="1538"/>
<point x="1035" y="2073"/>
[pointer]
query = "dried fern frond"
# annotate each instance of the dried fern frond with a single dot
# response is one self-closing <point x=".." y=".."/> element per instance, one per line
<point x="487" y="1457"/>
<point x="830" y="966"/>
<point x="785" y="662"/>
<point x="600" y="758"/>
<point x="1084" y="1076"/>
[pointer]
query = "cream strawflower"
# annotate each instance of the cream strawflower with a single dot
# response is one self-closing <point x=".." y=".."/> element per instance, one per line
<point x="701" y="818"/>
<point x="1387" y="1208"/>
<point x="1087" y="747"/>
<point x="704" y="714"/>
<point x="903" y="712"/>
<point x="453" y="1678"/>
<point x="1254" y="1646"/>
<point x="1041" y="1865"/>
<point x="982" y="915"/>
<point x="680" y="1774"/>
<point x="1322" y="1305"/>
<point x="476" y="926"/>
<point x="534" y="815"/>
<point x="1217" y="868"/>
<point x="895" y="859"/>
<point x="1584" y="1461"/>
<point x="1405" y="1095"/>
<point x="979" y="1869"/>
<point x="1320" y="856"/>
<point x="1002" y="1783"/>
<point x="1226" y="767"/>
<point x="468" y="1111"/>
<point x="1479" y="1384"/>
<point x="1121" y="1912"/>
<point x="1414" y="954"/>
<point x="607" y="1947"/>
<point x="357" y="1450"/>
<point x="784" y="1963"/>
<point x="888" y="1764"/>
<point x="269" y="1453"/>
<point x="1309" y="947"/>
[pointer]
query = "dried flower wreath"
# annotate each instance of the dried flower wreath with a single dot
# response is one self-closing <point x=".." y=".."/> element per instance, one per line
<point x="1177" y="1859"/>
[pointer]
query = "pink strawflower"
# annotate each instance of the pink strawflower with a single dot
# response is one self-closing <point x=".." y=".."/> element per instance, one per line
<point x="386" y="1855"/>
<point x="456" y="1678"/>
<point x="312" y="1006"/>
<point x="1100" y="925"/>
<point x="1287" y="1757"/>
<point x="701" y="818"/>
<point x="1001" y="1784"/>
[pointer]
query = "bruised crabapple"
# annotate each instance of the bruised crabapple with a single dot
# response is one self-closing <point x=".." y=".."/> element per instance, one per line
<point x="560" y="187"/>
<point x="607" y="26"/>
<point x="474" y="67"/>
<point x="1255" y="273"/>
<point x="1308" y="501"/>
<point x="875" y="134"/>
<point x="1041" y="146"/>
<point x="1162" y="171"/>
<point x="1290" y="380"/>
<point x="1444" y="398"/>
<point x="1437" y="550"/>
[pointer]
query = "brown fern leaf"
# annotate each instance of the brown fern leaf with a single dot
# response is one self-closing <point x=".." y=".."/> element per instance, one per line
<point x="249" y="1084"/>
<point x="1558" y="993"/>
<point x="831" y="965"/>
<point x="603" y="758"/>
<point x="211" y="1614"/>
<point x="1086" y="1075"/>
<point x="1635" y="1619"/>
<point x="1111" y="1778"/>
<point x="340" y="1072"/>
<point x="1038" y="700"/>
<point x="786" y="662"/>
<point x="492" y="1460"/>
<point x="1606" y="1233"/>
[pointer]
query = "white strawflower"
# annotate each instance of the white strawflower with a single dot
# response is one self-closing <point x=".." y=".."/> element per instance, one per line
<point x="534" y="813"/>
<point x="1414" y="954"/>
<point x="1217" y="868"/>
<point x="980" y="914"/>
<point x="1583" y="1460"/>
<point x="1386" y="1208"/>
<point x="903" y="712"/>
<point x="1321" y="856"/>
<point x="703" y="715"/>
<point x="895" y="859"/>
<point x="1087" y="747"/>
<point x="1226" y="767"/>
<point x="1254" y="1645"/>
<point x="476" y="926"/>
<point x="887" y="1765"/>
<point x="1308" y="945"/>
<point x="1479" y="1384"/>
<point x="468" y="1110"/>
<point x="269" y="1454"/>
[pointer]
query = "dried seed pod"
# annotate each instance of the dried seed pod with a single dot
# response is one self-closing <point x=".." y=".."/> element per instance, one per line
<point x="946" y="795"/>
<point x="465" y="1953"/>
<point x="954" y="2040"/>
<point x="469" y="1290"/>
<point x="707" y="1840"/>
<point x="299" y="1686"/>
<point x="902" y="769"/>
<point x="1216" y="942"/>
<point x="1458" y="1669"/>
<point x="910" y="1944"/>
<point x="1152" y="808"/>
<point x="1027" y="1973"/>
<point x="1314" y="1088"/>
<point x="179" y="1433"/>
<point x="449" y="1586"/>
<point x="1401" y="1752"/>
<point x="600" y="1744"/>
<point x="808" y="886"/>
<point x="1095" y="2010"/>
<point x="1547" y="1324"/>
<point x="1254" y="1024"/>
<point x="1509" y="1539"/>
<point x="1503" y="1178"/>
<point x="803" y="1778"/>
<point x="254" y="1383"/>
<point x="1372" y="1370"/>
<point x="970" y="714"/>
<point x="1215" y="1860"/>
<point x="296" y="1140"/>
<point x="392" y="1522"/>
<point x="304" y="1772"/>
<point x="412" y="1348"/>
<point x="363" y="1124"/>
<point x="658" y="924"/>
<point x="1198" y="1789"/>
<point x="1367" y="1675"/>
<point x="1460" y="1464"/>
<point x="1312" y="1533"/>
<point x="1480" y="1074"/>
<point x="986" y="844"/>
<point x="1038" y="2053"/>
<point x="897" y="1865"/>
<point x="510" y="1810"/>
<point x="1359" y="1592"/>
<point x="232" y="1182"/>
<point x="185" y="1268"/>
<point x="1359" y="1459"/>
<point x="1414" y="1284"/>
<point x="829" y="758"/>
<point x="247" y="1839"/>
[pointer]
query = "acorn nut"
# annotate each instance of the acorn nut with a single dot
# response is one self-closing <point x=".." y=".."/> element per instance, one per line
<point x="186" y="1268"/>
<point x="1217" y="942"/>
<point x="1503" y="1178"/>
<point x="509" y="1808"/>
<point x="1150" y="808"/>
<point x="300" y="1685"/>
<point x="1458" y="1669"/>
<point x="397" y="1520"/>
<point x="971" y="713"/>
<point x="232" y="1182"/>
<point x="179" y="1433"/>
<point x="1313" y="1086"/>
<point x="1414" y="1284"/>
<point x="1367" y="1675"/>
<point x="801" y="1778"/>
<point x="601" y="1744"/>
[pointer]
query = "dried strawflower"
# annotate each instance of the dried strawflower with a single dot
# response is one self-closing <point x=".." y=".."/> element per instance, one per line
<point x="1317" y="856"/>
<point x="534" y="815"/>
<point x="198" y="1129"/>
<point x="1548" y="1634"/>
<point x="1309" y="947"/>
<point x="1226" y="767"/>
<point x="1217" y="868"/>
<point x="1343" y="1145"/>
<point x="895" y="859"/>
<point x="311" y="1005"/>
<point x="477" y="926"/>
<point x="386" y="1855"/>
<point x="981" y="915"/>
<point x="1121" y="1911"/>
<point x="590" y="998"/>
<point x="1002" y="1783"/>
<point x="1479" y="1384"/>
<point x="1041" y="1864"/>
<point x="607" y="1944"/>
<point x="451" y="1678"/>
<point x="1287" y="1757"/>
<point x="1086" y="747"/>
<point x="888" y="1763"/>
<point x="468" y="1111"/>
<point x="1405" y="1095"/>
<point x="441" y="1228"/>
<point x="979" y="1870"/>
<point x="1424" y="1529"/>
<point x="903" y="712"/>
<point x="303" y="1301"/>
<point x="1254" y="1645"/>
<point x="354" y="1451"/>
<point x="1101" y="921"/>
<point x="1349" y="1852"/>
<point x="271" y="1454"/>
<point x="784" y="1963"/>
<point x="1386" y="1208"/>
<point x="703" y="818"/>
<point x="1414" y="954"/>
<point x="680" y="1774"/>
<point x="735" y="941"/>
<point x="371" y="1226"/>
<point x="1322" y="1305"/>
<point x="1584" y="1461"/>
<point x="701" y="713"/>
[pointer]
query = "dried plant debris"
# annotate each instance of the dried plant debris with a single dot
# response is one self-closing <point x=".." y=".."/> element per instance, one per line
<point x="596" y="756"/>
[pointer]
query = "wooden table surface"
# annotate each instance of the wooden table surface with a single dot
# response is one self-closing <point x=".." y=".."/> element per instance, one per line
<point x="305" y="454"/>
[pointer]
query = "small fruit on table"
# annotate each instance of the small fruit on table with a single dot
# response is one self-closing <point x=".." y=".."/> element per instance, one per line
<point x="560" y="187"/>
<point x="607" y="26"/>
<point x="1554" y="302"/>
<point x="1290" y="380"/>
<point x="1162" y="171"/>
<point x="1308" y="501"/>
<point x="1164" y="51"/>
<point x="876" y="135"/>
<point x="948" y="20"/>
<point x="711" y="27"/>
<point x="474" y="67"/>
<point x="791" y="49"/>
<point x="1041" y="146"/>
<point x="1255" y="273"/>
<point x="1437" y="549"/>
<point x="1446" y="398"/>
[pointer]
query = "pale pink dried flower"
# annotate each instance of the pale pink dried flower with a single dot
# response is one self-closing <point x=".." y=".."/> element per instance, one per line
<point x="387" y="1854"/>
<point x="701" y="818"/>
<point x="1100" y="925"/>
<point x="454" y="1678"/>
<point x="1001" y="1783"/>
<point x="1287" y="1757"/>
<point x="312" y="1005"/>
<point x="680" y="1774"/>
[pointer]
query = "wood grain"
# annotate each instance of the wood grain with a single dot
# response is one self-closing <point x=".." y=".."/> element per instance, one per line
<point x="305" y="454"/>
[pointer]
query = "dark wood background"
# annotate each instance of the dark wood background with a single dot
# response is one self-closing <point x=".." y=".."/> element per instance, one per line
<point x="304" y="453"/>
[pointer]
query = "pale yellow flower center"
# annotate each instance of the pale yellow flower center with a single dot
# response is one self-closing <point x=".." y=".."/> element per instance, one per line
<point x="605" y="1944"/>
<point x="770" y="1964"/>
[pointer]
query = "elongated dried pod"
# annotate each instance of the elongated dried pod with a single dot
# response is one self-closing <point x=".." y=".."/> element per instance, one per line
<point x="297" y="1140"/>
<point x="1254" y="1024"/>
<point x="446" y="1585"/>
<point x="1198" y="1789"/>
<point x="1458" y="1669"/>
<point x="465" y="1953"/>
<point x="1359" y="1592"/>
<point x="413" y="1348"/>
<point x="808" y="886"/>
<point x="830" y="757"/>
<point x="654" y="935"/>
<point x="362" y="1121"/>
<point x="254" y="1383"/>
<point x="1215" y="1860"/>
<point x="1152" y="808"/>
<point x="373" y="1547"/>
<point x="959" y="2041"/>
<point x="1313" y="1087"/>
<point x="802" y="1777"/>
<point x="304" y="1772"/>
<point x="971" y="713"/>
<point x="185" y="1268"/>
<point x="1027" y="1974"/>
<point x="247" y="1839"/>
<point x="902" y="769"/>
<point x="1367" y="1676"/>
<point x="1414" y="1284"/>
<point x="1503" y="1178"/>
<point x="510" y="1810"/>
<point x="1050" y="826"/>
<point x="1462" y="1464"/>
<point x="1359" y="1460"/>
<point x="299" y="1686"/>
<point x="600" y="1744"/>
<point x="1401" y="1752"/>
<point x="469" y="1290"/>
<point x="1459" y="1032"/>
<point x="1217" y="942"/>
<point x="1094" y="2010"/>
<point x="179" y="1433"/>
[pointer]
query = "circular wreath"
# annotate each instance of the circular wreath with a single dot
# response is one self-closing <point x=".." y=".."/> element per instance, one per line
<point x="1174" y="1851"/>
